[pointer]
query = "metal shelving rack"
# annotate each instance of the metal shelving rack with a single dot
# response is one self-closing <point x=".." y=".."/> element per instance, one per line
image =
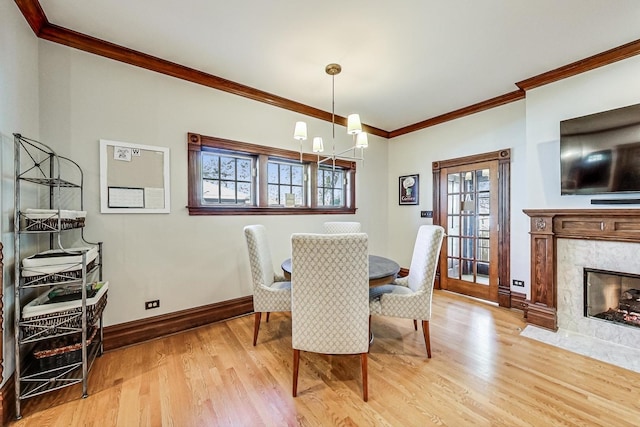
<point x="38" y="164"/>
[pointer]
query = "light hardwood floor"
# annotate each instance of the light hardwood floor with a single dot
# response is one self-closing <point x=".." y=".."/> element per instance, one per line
<point x="482" y="374"/>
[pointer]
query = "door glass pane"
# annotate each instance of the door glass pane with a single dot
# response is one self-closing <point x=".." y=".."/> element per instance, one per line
<point x="482" y="253"/>
<point x="484" y="203"/>
<point x="453" y="268"/>
<point x="453" y="204"/>
<point x="453" y="247"/>
<point x="467" y="246"/>
<point x="482" y="177"/>
<point x="454" y="225"/>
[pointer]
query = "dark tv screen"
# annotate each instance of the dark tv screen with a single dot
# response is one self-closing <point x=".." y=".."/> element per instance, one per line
<point x="600" y="153"/>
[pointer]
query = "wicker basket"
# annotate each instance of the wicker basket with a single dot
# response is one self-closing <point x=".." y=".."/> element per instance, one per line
<point x="61" y="351"/>
<point x="47" y="219"/>
<point x="57" y="265"/>
<point x="40" y="320"/>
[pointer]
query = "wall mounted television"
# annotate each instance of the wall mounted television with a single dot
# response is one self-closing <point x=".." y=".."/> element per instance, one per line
<point x="600" y="153"/>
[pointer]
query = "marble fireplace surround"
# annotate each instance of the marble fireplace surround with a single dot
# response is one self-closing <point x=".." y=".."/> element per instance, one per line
<point x="563" y="243"/>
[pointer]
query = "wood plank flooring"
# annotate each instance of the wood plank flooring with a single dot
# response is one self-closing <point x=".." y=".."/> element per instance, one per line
<point x="482" y="374"/>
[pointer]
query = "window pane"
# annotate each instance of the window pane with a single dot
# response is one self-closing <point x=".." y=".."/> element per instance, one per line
<point x="285" y="174"/>
<point x="274" y="196"/>
<point x="228" y="192"/>
<point x="337" y="179"/>
<point x="244" y="192"/>
<point x="210" y="191"/>
<point x="298" y="192"/>
<point x="272" y="173"/>
<point x="210" y="165"/>
<point x="296" y="175"/>
<point x="227" y="168"/>
<point x="327" y="197"/>
<point x="337" y="197"/>
<point x="284" y="189"/>
<point x="244" y="170"/>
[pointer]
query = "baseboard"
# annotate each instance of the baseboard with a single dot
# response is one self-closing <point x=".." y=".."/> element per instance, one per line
<point x="518" y="301"/>
<point x="7" y="401"/>
<point x="137" y="331"/>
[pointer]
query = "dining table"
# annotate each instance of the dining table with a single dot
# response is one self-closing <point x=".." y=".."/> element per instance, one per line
<point x="382" y="271"/>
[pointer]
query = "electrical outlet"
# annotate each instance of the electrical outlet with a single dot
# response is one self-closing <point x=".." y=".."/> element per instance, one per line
<point x="152" y="304"/>
<point x="518" y="283"/>
<point x="426" y="214"/>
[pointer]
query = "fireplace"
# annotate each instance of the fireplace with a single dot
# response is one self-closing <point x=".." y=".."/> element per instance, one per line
<point x="612" y="296"/>
<point x="563" y="244"/>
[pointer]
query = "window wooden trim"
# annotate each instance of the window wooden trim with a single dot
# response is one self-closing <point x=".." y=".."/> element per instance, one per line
<point x="196" y="142"/>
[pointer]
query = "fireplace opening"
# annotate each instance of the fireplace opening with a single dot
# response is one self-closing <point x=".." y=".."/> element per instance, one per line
<point x="612" y="296"/>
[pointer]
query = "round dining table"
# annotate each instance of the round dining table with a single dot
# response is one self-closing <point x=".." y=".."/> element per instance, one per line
<point x="382" y="271"/>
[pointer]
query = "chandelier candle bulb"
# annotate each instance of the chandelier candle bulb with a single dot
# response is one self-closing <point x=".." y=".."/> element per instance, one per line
<point x="300" y="132"/>
<point x="353" y="124"/>
<point x="361" y="140"/>
<point x="318" y="147"/>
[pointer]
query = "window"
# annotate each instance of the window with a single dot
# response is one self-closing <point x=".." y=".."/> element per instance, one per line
<point x="227" y="179"/>
<point x="331" y="187"/>
<point x="237" y="178"/>
<point x="286" y="183"/>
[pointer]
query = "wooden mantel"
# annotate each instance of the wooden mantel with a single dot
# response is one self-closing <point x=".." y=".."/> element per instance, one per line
<point x="548" y="225"/>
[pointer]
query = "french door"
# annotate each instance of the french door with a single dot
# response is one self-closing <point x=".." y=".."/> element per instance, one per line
<point x="470" y="205"/>
<point x="471" y="201"/>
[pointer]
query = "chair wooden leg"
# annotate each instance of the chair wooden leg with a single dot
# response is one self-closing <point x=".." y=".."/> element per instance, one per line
<point x="415" y="324"/>
<point x="268" y="313"/>
<point x="365" y="377"/>
<point x="296" y="365"/>
<point x="256" y="327"/>
<point x="427" y="341"/>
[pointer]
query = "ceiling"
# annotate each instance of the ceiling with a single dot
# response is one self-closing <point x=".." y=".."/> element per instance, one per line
<point x="403" y="62"/>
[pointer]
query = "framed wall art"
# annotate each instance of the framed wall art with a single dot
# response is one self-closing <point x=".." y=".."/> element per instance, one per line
<point x="408" y="187"/>
<point x="134" y="178"/>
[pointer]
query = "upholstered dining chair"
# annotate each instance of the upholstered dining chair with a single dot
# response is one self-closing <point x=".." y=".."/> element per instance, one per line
<point x="270" y="291"/>
<point x="410" y="296"/>
<point x="330" y="298"/>
<point x="335" y="227"/>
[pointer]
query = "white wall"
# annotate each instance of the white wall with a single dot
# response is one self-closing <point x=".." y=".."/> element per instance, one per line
<point x="495" y="129"/>
<point x="185" y="261"/>
<point x="18" y="113"/>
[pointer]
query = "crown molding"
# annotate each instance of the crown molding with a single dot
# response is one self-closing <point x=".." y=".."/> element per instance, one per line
<point x="599" y="60"/>
<point x="462" y="112"/>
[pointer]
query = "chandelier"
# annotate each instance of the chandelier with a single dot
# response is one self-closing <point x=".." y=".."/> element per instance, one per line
<point x="354" y="128"/>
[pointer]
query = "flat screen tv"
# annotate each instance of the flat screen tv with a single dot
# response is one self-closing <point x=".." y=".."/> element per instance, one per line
<point x="600" y="153"/>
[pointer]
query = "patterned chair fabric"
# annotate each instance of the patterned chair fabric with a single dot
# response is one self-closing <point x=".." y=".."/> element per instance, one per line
<point x="410" y="296"/>
<point x="270" y="291"/>
<point x="330" y="296"/>
<point x="341" y="227"/>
